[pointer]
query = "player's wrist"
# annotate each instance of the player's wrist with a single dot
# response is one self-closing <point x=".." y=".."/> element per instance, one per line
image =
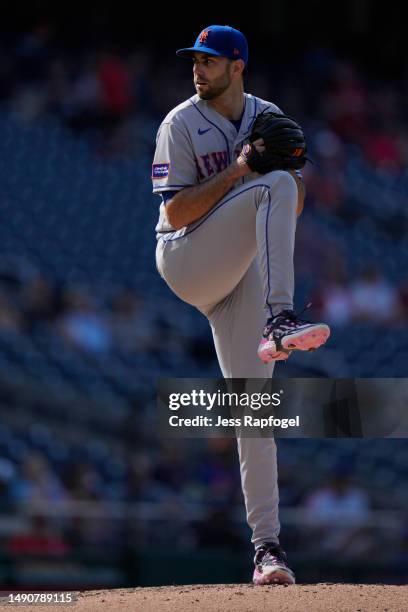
<point x="241" y="167"/>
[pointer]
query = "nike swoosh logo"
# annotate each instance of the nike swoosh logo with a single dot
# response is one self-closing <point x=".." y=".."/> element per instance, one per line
<point x="201" y="132"/>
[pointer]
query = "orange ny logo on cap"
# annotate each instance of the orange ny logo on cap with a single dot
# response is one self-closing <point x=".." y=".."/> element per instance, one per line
<point x="297" y="152"/>
<point x="204" y="36"/>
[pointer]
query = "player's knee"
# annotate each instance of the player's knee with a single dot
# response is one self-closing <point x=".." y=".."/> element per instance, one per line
<point x="282" y="181"/>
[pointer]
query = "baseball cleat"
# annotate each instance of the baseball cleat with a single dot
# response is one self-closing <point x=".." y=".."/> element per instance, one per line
<point x="286" y="332"/>
<point x="271" y="566"/>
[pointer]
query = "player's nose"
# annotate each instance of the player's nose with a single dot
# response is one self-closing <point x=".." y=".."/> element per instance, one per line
<point x="197" y="71"/>
<point x="199" y="77"/>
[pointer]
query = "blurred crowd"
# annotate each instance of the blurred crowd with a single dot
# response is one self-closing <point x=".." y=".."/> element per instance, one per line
<point x="106" y="88"/>
<point x="125" y="325"/>
<point x="166" y="477"/>
<point x="116" y="100"/>
<point x="369" y="297"/>
<point x="117" y="322"/>
<point x="336" y="510"/>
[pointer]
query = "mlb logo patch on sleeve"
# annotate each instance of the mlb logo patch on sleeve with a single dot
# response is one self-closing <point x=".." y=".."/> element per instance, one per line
<point x="160" y="170"/>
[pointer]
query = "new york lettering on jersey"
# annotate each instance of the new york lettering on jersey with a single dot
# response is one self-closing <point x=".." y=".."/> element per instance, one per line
<point x="194" y="143"/>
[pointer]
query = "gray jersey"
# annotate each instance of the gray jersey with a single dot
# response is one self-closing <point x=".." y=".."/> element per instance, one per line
<point x="195" y="142"/>
<point x="235" y="264"/>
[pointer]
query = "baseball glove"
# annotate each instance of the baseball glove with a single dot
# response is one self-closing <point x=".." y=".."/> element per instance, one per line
<point x="285" y="145"/>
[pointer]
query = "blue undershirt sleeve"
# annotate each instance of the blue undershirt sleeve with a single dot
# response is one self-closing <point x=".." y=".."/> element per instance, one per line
<point x="167" y="195"/>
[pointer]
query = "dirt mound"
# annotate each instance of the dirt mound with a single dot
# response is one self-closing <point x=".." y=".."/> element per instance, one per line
<point x="242" y="597"/>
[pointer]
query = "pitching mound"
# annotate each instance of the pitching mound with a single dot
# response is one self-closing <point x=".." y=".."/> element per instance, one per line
<point x="242" y="597"/>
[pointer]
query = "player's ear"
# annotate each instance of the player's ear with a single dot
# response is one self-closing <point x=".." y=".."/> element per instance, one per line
<point x="239" y="66"/>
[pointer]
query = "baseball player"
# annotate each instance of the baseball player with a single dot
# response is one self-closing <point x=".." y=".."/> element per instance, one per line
<point x="225" y="245"/>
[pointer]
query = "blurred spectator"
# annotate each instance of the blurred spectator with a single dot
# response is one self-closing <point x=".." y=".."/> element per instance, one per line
<point x="84" y="483"/>
<point x="218" y="472"/>
<point x="141" y="484"/>
<point x="33" y="52"/>
<point x="325" y="179"/>
<point x="345" y="104"/>
<point x="37" y="481"/>
<point x="334" y="300"/>
<point x="382" y="150"/>
<point x="131" y="326"/>
<point x="116" y="86"/>
<point x="337" y="513"/>
<point x="82" y="326"/>
<point x="374" y="298"/>
<point x="84" y="102"/>
<point x="41" y="538"/>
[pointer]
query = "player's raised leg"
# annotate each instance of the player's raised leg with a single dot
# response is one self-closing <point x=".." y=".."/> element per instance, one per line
<point x="275" y="230"/>
<point x="204" y="264"/>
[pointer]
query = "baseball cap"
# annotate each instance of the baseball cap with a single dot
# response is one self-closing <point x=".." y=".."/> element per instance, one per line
<point x="219" y="40"/>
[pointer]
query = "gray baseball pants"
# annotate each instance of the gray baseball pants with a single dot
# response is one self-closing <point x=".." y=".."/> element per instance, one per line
<point x="236" y="266"/>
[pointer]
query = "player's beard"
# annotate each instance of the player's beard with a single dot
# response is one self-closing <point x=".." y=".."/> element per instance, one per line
<point x="217" y="87"/>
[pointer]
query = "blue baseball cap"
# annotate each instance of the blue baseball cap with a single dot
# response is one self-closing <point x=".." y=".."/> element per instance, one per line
<point x="219" y="40"/>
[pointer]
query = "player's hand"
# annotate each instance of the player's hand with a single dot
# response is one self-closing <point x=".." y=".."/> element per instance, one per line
<point x="259" y="145"/>
<point x="241" y="160"/>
